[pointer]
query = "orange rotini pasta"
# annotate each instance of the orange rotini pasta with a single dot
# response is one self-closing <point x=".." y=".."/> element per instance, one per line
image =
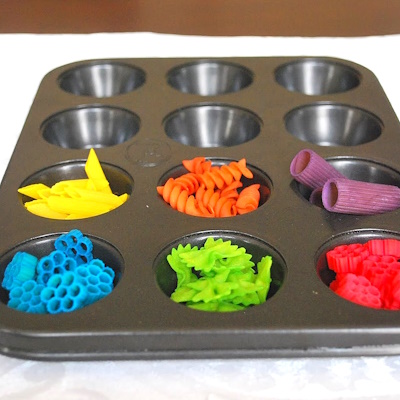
<point x="211" y="191"/>
<point x="197" y="165"/>
<point x="248" y="199"/>
<point x="225" y="175"/>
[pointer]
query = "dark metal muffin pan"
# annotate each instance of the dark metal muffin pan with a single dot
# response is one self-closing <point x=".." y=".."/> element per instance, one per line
<point x="144" y="116"/>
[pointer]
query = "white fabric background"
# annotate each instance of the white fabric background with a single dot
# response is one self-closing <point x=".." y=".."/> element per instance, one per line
<point x="25" y="59"/>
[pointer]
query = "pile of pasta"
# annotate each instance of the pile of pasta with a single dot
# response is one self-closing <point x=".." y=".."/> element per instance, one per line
<point x="337" y="193"/>
<point x="208" y="190"/>
<point x="367" y="273"/>
<point x="74" y="198"/>
<point x="219" y="276"/>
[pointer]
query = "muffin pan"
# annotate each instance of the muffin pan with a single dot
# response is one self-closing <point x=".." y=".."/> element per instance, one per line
<point x="143" y="117"/>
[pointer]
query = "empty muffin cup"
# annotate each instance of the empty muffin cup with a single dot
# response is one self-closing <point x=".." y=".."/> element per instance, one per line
<point x="212" y="125"/>
<point x="168" y="280"/>
<point x="209" y="78"/>
<point x="90" y="127"/>
<point x="333" y="125"/>
<point x="317" y="77"/>
<point x="102" y="79"/>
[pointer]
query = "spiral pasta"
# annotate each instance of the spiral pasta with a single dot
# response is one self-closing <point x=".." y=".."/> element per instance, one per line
<point x="248" y="199"/>
<point x="174" y="194"/>
<point x="225" y="175"/>
<point x="211" y="191"/>
<point x="197" y="165"/>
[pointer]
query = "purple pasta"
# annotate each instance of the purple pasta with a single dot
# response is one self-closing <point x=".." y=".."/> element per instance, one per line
<point x="310" y="169"/>
<point x="364" y="198"/>
<point x="316" y="197"/>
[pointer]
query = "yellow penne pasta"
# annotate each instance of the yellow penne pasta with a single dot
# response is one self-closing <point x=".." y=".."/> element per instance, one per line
<point x="84" y="194"/>
<point x="95" y="173"/>
<point x="77" y="206"/>
<point x="33" y="190"/>
<point x="36" y="201"/>
<point x="100" y="185"/>
<point x="42" y="209"/>
<point x="75" y="216"/>
<point x="59" y="187"/>
<point x="44" y="193"/>
<point x="82" y="216"/>
<point x="74" y="198"/>
<point x="90" y="185"/>
<point x="124" y="197"/>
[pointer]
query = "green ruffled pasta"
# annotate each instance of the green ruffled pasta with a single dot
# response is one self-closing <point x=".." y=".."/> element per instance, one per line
<point x="183" y="273"/>
<point x="219" y="276"/>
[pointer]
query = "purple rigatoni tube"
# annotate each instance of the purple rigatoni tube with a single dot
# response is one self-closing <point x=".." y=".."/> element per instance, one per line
<point x="310" y="169"/>
<point x="347" y="196"/>
<point x="316" y="197"/>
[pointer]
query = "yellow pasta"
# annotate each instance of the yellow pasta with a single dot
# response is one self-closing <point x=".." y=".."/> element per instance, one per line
<point x="59" y="187"/>
<point x="77" y="206"/>
<point x="100" y="197"/>
<point x="95" y="173"/>
<point x="42" y="209"/>
<point x="35" y="191"/>
<point x="74" y="198"/>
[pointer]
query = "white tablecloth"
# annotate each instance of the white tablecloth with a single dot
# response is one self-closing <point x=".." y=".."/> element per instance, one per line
<point x="25" y="59"/>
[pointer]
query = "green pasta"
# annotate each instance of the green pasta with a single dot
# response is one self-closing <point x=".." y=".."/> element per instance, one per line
<point x="219" y="276"/>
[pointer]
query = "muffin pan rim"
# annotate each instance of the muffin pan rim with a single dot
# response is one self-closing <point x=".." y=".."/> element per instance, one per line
<point x="253" y="151"/>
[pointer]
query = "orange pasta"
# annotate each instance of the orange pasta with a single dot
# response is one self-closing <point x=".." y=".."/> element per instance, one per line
<point x="225" y="175"/>
<point x="248" y="199"/>
<point x="174" y="194"/>
<point x="219" y="202"/>
<point x="211" y="191"/>
<point x="231" y="190"/>
<point x="197" y="165"/>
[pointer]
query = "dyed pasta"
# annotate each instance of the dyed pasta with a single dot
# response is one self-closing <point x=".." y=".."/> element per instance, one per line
<point x="336" y="193"/>
<point x="219" y="203"/>
<point x="248" y="199"/>
<point x="310" y="169"/>
<point x="219" y="276"/>
<point x="367" y="274"/>
<point x="363" y="198"/>
<point x="197" y="165"/>
<point x="211" y="191"/>
<point x="74" y="198"/>
<point x="221" y="176"/>
<point x="316" y="197"/>
<point x="95" y="173"/>
<point x="66" y="279"/>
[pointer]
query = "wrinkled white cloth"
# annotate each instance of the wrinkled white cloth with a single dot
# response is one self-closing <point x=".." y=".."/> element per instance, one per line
<point x="25" y="59"/>
<point x="375" y="378"/>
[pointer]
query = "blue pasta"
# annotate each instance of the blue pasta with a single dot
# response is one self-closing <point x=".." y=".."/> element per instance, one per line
<point x="27" y="297"/>
<point x="64" y="293"/>
<point x="65" y="280"/>
<point x="76" y="246"/>
<point x="55" y="263"/>
<point x="20" y="269"/>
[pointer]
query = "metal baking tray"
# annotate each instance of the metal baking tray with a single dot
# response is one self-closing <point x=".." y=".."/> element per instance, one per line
<point x="144" y="116"/>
